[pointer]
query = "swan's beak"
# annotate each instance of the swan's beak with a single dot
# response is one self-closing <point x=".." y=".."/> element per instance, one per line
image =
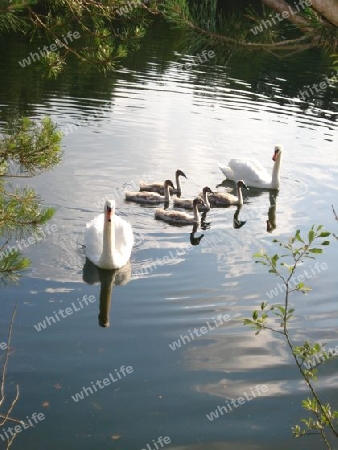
<point x="180" y="172"/>
<point x="109" y="210"/>
<point x="274" y="156"/>
<point x="245" y="186"/>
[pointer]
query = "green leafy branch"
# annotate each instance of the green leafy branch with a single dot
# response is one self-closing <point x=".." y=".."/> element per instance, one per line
<point x="297" y="249"/>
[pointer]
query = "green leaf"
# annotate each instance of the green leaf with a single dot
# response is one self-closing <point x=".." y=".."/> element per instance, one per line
<point x="324" y="234"/>
<point x="325" y="243"/>
<point x="274" y="259"/>
<point x="315" y="250"/>
<point x="297" y="236"/>
<point x="248" y="322"/>
<point x="311" y="236"/>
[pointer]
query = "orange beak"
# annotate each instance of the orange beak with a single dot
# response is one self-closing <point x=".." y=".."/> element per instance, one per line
<point x="274" y="157"/>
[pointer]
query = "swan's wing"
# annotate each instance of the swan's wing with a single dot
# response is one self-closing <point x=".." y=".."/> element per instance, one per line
<point x="94" y="238"/>
<point x="227" y="171"/>
<point x="124" y="239"/>
<point x="251" y="171"/>
<point x="152" y="187"/>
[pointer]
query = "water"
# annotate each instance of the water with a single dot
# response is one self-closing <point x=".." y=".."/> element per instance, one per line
<point x="145" y="121"/>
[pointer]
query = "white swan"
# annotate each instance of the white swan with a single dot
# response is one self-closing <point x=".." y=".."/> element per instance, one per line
<point x="188" y="204"/>
<point x="253" y="172"/>
<point x="159" y="186"/>
<point x="108" y="239"/>
<point x="150" y="197"/>
<point x="225" y="199"/>
<point x="180" y="217"/>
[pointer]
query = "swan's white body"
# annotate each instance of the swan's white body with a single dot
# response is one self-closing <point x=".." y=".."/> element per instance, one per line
<point x="159" y="186"/>
<point x="253" y="172"/>
<point x="150" y="197"/>
<point x="109" y="239"/>
<point x="180" y="217"/>
<point x="225" y="199"/>
<point x="188" y="204"/>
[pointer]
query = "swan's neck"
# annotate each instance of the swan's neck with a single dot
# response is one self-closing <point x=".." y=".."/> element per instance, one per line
<point x="108" y="240"/>
<point x="239" y="195"/>
<point x="166" y="193"/>
<point x="276" y="172"/>
<point x="178" y="183"/>
<point x="197" y="217"/>
<point x="206" y="200"/>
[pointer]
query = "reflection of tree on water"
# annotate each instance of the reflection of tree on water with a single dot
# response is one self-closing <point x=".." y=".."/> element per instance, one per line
<point x="107" y="279"/>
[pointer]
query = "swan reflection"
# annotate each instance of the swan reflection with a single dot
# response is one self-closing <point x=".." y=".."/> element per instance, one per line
<point x="236" y="222"/>
<point x="108" y="279"/>
<point x="271" y="222"/>
<point x="195" y="240"/>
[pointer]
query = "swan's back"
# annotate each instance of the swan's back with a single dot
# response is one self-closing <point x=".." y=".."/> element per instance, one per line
<point x="124" y="240"/>
<point x="144" y="197"/>
<point x="183" y="203"/>
<point x="252" y="172"/>
<point x="177" y="217"/>
<point x="152" y="187"/>
<point x="222" y="198"/>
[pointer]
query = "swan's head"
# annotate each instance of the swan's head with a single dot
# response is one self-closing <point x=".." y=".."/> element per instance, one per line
<point x="180" y="172"/>
<point x="109" y="209"/>
<point x="198" y="201"/>
<point x="278" y="152"/>
<point x="169" y="183"/>
<point x="207" y="189"/>
<point x="241" y="184"/>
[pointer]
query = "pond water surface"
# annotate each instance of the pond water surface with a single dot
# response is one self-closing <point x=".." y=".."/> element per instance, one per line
<point x="143" y="122"/>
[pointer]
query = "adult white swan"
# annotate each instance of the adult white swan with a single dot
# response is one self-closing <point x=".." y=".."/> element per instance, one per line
<point x="159" y="186"/>
<point x="108" y="239"/>
<point x="253" y="172"/>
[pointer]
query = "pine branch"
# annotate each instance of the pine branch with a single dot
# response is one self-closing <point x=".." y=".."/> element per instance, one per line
<point x="29" y="148"/>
